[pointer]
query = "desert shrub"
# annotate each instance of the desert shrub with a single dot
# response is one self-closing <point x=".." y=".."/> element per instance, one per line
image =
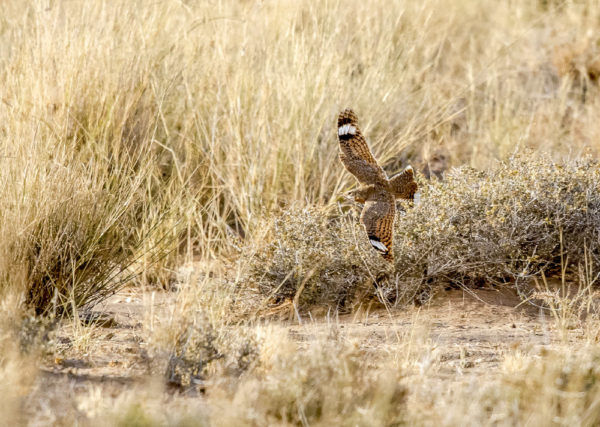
<point x="204" y="337"/>
<point x="499" y="227"/>
<point x="328" y="383"/>
<point x="313" y="257"/>
<point x="201" y="350"/>
<point x="502" y="226"/>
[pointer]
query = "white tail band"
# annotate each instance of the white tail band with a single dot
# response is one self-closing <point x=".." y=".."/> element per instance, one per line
<point x="378" y="245"/>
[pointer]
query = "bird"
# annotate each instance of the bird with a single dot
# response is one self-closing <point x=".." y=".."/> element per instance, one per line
<point x="377" y="192"/>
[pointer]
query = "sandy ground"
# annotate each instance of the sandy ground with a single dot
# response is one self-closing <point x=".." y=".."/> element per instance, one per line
<point x="466" y="332"/>
<point x="457" y="336"/>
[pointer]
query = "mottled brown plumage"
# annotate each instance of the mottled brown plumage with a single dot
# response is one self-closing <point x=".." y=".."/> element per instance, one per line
<point x="355" y="153"/>
<point x="403" y="184"/>
<point x="378" y="193"/>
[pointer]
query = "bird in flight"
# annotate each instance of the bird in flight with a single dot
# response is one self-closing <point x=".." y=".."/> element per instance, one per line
<point x="377" y="192"/>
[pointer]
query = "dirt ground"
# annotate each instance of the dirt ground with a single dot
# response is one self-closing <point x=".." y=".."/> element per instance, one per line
<point x="463" y="334"/>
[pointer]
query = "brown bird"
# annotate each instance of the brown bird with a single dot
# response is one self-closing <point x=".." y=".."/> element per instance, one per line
<point x="377" y="192"/>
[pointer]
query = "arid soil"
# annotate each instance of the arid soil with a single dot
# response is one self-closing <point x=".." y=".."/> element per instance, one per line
<point x="459" y="335"/>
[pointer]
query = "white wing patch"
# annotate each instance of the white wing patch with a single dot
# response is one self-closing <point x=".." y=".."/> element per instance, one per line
<point x="346" y="129"/>
<point x="417" y="197"/>
<point x="378" y="245"/>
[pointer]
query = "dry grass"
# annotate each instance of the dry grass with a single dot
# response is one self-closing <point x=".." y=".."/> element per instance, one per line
<point x="139" y="136"/>
<point x="555" y="388"/>
<point x="328" y="383"/>
<point x="138" y="120"/>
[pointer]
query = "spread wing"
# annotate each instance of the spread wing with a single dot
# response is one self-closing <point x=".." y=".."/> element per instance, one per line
<point x="378" y="218"/>
<point x="404" y="185"/>
<point x="355" y="153"/>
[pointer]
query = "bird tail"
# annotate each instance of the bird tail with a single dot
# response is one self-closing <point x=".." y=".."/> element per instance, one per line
<point x="380" y="247"/>
<point x="404" y="185"/>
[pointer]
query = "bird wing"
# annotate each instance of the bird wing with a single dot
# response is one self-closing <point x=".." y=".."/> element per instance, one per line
<point x="378" y="218"/>
<point x="404" y="185"/>
<point x="355" y="153"/>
